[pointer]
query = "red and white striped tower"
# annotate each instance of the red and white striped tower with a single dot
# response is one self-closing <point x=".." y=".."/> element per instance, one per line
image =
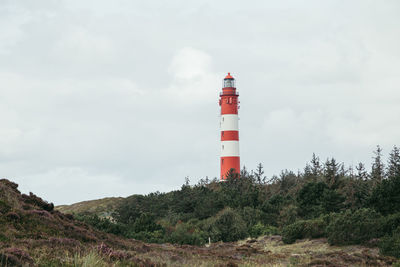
<point x="229" y="127"/>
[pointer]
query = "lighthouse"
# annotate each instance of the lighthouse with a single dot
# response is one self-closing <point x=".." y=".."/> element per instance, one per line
<point x="229" y="103"/>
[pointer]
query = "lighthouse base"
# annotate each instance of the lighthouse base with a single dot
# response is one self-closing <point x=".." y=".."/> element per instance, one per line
<point x="228" y="163"/>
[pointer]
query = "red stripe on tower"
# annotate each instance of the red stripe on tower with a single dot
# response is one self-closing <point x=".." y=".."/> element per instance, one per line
<point x="229" y="103"/>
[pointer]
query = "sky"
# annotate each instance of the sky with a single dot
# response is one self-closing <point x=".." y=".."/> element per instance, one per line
<point x="113" y="98"/>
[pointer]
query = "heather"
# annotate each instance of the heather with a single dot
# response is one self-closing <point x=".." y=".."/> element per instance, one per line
<point x="326" y="213"/>
<point x="348" y="205"/>
<point x="34" y="234"/>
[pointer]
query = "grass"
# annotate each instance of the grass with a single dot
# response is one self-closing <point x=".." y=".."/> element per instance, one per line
<point x="89" y="260"/>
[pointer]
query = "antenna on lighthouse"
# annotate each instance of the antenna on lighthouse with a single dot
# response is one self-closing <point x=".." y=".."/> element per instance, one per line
<point x="230" y="159"/>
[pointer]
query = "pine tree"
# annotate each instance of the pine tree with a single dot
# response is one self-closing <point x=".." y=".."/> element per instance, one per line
<point x="332" y="172"/>
<point x="316" y="168"/>
<point x="362" y="174"/>
<point x="377" y="172"/>
<point x="393" y="167"/>
<point x="259" y="173"/>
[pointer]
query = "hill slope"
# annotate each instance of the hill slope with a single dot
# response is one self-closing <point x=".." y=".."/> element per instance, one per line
<point x="101" y="207"/>
<point x="32" y="233"/>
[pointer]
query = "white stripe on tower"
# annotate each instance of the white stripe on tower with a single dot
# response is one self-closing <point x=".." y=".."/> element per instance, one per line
<point x="230" y="149"/>
<point x="230" y="122"/>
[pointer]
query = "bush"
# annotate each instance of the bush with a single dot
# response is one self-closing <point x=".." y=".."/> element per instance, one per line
<point x="4" y="207"/>
<point x="390" y="244"/>
<point x="149" y="237"/>
<point x="227" y="226"/>
<point x="102" y="224"/>
<point x="187" y="233"/>
<point x="260" y="229"/>
<point x="287" y="215"/>
<point x="146" y="222"/>
<point x="390" y="223"/>
<point x="358" y="227"/>
<point x="251" y="216"/>
<point x="37" y="201"/>
<point x="304" y="229"/>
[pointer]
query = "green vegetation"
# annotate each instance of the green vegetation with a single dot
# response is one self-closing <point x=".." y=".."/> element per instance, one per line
<point x="328" y="203"/>
<point x="101" y="207"/>
<point x="345" y="205"/>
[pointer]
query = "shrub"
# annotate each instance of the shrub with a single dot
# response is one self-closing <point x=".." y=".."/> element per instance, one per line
<point x="146" y="222"/>
<point x="227" y="226"/>
<point x="13" y="216"/>
<point x="287" y="215"/>
<point x="390" y="244"/>
<point x="356" y="227"/>
<point x="187" y="233"/>
<point x="390" y="223"/>
<point x="149" y="237"/>
<point x="304" y="229"/>
<point x="37" y="201"/>
<point x="15" y="257"/>
<point x="4" y="207"/>
<point x="260" y="229"/>
<point x="99" y="223"/>
<point x="251" y="215"/>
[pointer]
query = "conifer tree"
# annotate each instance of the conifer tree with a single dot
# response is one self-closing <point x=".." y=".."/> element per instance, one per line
<point x="393" y="167"/>
<point x="362" y="174"/>
<point x="259" y="173"/>
<point x="316" y="168"/>
<point x="331" y="173"/>
<point x="377" y="172"/>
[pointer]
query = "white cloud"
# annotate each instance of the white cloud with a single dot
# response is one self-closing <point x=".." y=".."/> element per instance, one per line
<point x="193" y="79"/>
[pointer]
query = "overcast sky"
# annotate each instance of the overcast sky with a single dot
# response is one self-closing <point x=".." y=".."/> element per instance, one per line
<point x="112" y="98"/>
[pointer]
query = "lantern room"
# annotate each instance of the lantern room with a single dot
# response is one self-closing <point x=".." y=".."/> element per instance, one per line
<point x="229" y="81"/>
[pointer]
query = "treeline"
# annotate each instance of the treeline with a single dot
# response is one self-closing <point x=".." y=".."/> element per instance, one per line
<point x="348" y="205"/>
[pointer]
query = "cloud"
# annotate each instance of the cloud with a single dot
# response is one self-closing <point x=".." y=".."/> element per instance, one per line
<point x="193" y="79"/>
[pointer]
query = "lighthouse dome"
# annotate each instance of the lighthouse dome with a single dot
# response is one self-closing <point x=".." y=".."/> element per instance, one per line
<point x="229" y="77"/>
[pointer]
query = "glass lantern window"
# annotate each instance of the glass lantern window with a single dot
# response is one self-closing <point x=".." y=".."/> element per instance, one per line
<point x="229" y="83"/>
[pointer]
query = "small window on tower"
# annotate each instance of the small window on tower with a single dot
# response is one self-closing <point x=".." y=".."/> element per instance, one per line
<point x="222" y="147"/>
<point x="222" y="161"/>
<point x="223" y="133"/>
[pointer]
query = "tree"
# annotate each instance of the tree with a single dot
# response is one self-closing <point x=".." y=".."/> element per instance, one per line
<point x="393" y="168"/>
<point x="332" y="172"/>
<point x="377" y="172"/>
<point x="316" y="168"/>
<point x="362" y="174"/>
<point x="316" y="198"/>
<point x="232" y="174"/>
<point x="287" y="180"/>
<point x="259" y="174"/>
<point x="385" y="197"/>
